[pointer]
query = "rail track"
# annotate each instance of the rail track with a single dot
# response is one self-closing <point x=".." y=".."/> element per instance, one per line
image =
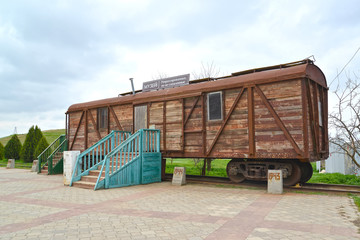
<point x="307" y="187"/>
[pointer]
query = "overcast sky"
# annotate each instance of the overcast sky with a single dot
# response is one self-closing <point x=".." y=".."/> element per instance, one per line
<point x="57" y="53"/>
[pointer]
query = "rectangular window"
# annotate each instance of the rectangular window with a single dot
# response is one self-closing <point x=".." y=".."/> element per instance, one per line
<point x="102" y="118"/>
<point x="320" y="114"/>
<point x="140" y="120"/>
<point x="214" y="106"/>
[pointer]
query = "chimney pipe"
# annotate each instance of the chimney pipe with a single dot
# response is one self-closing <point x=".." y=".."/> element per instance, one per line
<point x="132" y="85"/>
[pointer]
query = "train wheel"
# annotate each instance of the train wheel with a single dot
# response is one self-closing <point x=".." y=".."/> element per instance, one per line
<point x="306" y="172"/>
<point x="295" y="176"/>
<point x="233" y="171"/>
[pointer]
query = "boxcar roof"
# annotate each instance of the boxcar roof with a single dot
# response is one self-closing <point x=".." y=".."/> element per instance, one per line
<point x="301" y="69"/>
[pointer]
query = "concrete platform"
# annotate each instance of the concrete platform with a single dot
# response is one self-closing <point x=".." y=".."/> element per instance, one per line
<point x="36" y="206"/>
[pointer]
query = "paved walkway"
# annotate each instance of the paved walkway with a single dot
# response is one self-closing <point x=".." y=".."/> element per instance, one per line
<point x="40" y="207"/>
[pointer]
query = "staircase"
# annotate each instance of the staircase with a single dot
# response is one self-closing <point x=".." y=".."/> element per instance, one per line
<point x="88" y="162"/>
<point x="58" y="156"/>
<point x="135" y="160"/>
<point x="89" y="181"/>
<point x="51" y="159"/>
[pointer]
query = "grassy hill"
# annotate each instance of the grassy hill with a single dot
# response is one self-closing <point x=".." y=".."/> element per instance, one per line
<point x="50" y="136"/>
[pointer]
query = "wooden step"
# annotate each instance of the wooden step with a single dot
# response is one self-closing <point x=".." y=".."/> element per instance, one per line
<point x="44" y="172"/>
<point x="83" y="184"/>
<point x="59" y="154"/>
<point x="56" y="160"/>
<point x="96" y="173"/>
<point x="90" y="178"/>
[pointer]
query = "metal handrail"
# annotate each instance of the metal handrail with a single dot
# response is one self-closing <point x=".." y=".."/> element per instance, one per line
<point x="48" y="151"/>
<point x="60" y="148"/>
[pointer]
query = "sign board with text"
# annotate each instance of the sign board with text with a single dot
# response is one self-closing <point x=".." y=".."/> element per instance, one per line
<point x="275" y="181"/>
<point x="164" y="83"/>
<point x="179" y="176"/>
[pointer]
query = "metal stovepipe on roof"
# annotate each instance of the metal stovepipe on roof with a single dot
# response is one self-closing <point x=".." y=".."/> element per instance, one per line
<point x="132" y="85"/>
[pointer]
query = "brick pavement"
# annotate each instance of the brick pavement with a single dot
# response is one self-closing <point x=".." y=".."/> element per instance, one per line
<point x="39" y="207"/>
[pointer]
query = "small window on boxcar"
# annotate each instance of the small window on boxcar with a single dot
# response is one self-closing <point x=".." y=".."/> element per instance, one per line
<point x="320" y="114"/>
<point x="214" y="106"/>
<point x="102" y="118"/>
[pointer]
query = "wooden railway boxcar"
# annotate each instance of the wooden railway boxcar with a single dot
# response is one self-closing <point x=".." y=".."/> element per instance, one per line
<point x="268" y="118"/>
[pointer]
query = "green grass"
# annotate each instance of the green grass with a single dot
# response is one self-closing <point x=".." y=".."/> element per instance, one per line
<point x="356" y="199"/>
<point x="50" y="136"/>
<point x="218" y="166"/>
<point x="18" y="164"/>
<point x="335" y="178"/>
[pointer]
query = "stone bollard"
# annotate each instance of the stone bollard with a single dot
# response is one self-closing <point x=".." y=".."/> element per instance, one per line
<point x="11" y="163"/>
<point x="35" y="166"/>
<point x="179" y="176"/>
<point x="275" y="182"/>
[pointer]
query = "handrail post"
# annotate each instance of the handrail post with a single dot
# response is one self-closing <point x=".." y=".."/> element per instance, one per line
<point x="141" y="143"/>
<point x="49" y="160"/>
<point x="112" y="146"/>
<point x="39" y="164"/>
<point x="158" y="141"/>
<point x="107" y="167"/>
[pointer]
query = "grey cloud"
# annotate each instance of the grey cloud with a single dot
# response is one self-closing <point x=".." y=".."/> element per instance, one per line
<point x="47" y="48"/>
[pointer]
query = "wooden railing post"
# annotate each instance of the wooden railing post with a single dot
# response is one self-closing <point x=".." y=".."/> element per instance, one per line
<point x="141" y="148"/>
<point x="158" y="141"/>
<point x="107" y="167"/>
<point x="112" y="141"/>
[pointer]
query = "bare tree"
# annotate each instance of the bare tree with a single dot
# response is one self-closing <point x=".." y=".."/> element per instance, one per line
<point x="209" y="70"/>
<point x="345" y="119"/>
<point x="160" y="75"/>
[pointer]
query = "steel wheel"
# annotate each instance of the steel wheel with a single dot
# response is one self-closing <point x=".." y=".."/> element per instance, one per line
<point x="233" y="171"/>
<point x="306" y="172"/>
<point x="295" y="176"/>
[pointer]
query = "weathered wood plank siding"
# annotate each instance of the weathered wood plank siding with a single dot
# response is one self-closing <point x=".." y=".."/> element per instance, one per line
<point x="76" y="126"/>
<point x="173" y="125"/>
<point x="275" y="118"/>
<point x="285" y="98"/>
<point x="193" y="127"/>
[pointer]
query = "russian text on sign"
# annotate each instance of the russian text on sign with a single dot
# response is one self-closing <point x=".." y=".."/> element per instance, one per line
<point x="170" y="82"/>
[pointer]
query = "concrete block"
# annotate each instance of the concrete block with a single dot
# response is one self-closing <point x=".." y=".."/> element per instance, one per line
<point x="35" y="166"/>
<point x="11" y="163"/>
<point x="275" y="182"/>
<point x="69" y="165"/>
<point x="179" y="176"/>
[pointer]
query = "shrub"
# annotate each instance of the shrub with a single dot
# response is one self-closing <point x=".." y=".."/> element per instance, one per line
<point x="41" y="146"/>
<point x="1" y="151"/>
<point x="13" y="148"/>
<point x="37" y="136"/>
<point x="32" y="139"/>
